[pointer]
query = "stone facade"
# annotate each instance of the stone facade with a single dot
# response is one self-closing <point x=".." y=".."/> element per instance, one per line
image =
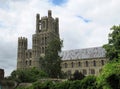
<point x="88" y="61"/>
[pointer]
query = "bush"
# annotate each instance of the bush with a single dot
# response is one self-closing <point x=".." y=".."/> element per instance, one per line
<point x="62" y="85"/>
<point x="75" y="85"/>
<point x="45" y="85"/>
<point x="114" y="81"/>
<point x="89" y="82"/>
<point x="111" y="71"/>
<point x="29" y="75"/>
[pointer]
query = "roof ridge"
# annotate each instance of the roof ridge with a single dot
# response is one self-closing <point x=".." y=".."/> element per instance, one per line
<point x="83" y="48"/>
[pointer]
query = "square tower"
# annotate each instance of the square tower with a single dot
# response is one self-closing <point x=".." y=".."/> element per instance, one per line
<point x="47" y="28"/>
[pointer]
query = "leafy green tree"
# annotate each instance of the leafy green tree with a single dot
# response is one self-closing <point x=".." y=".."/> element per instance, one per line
<point x="75" y="85"/>
<point x="29" y="75"/>
<point x="52" y="60"/>
<point x="109" y="75"/>
<point x="62" y="85"/>
<point x="114" y="81"/>
<point x="113" y="46"/>
<point x="43" y="85"/>
<point x="89" y="82"/>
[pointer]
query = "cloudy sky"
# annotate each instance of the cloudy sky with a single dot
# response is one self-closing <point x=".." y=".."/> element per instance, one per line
<point x="83" y="23"/>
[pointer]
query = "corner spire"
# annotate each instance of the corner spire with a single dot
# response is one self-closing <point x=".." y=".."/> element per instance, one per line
<point x="49" y="13"/>
<point x="37" y="22"/>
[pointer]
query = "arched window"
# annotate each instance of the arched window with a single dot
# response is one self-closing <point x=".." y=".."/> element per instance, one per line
<point x="43" y="24"/>
<point x="45" y="40"/>
<point x="86" y="63"/>
<point x="92" y="71"/>
<point x="66" y="65"/>
<point x="94" y="63"/>
<point x="30" y="55"/>
<point x="30" y="62"/>
<point x="35" y="40"/>
<point x="42" y="49"/>
<point x="72" y="64"/>
<point x="84" y="71"/>
<point x="22" y="43"/>
<point x="26" y="62"/>
<point x="42" y="41"/>
<point x="102" y="62"/>
<point x="79" y="64"/>
<point x="69" y="73"/>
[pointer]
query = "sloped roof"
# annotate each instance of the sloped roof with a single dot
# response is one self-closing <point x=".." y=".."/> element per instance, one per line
<point x="88" y="53"/>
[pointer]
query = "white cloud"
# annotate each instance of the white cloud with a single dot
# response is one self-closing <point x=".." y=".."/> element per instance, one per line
<point x="19" y="20"/>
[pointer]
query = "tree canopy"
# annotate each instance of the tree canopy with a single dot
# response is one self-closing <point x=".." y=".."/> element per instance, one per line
<point x="113" y="46"/>
<point x="51" y="62"/>
<point x="29" y="75"/>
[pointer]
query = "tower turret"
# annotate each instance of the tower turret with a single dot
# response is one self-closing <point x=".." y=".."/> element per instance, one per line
<point x="57" y="26"/>
<point x="22" y="46"/>
<point x="38" y="23"/>
<point x="50" y="20"/>
<point x="49" y="13"/>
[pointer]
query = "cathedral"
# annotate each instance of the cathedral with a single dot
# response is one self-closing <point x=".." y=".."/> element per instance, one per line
<point x="88" y="61"/>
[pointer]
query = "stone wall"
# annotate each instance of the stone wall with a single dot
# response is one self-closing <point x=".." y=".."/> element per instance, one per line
<point x="85" y="66"/>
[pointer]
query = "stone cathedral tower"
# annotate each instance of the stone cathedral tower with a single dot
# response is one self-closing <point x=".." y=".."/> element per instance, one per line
<point x="47" y="28"/>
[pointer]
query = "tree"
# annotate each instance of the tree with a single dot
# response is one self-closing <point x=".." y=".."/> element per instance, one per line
<point x="29" y="75"/>
<point x="52" y="60"/>
<point x="89" y="82"/>
<point x="113" y="46"/>
<point x="109" y="76"/>
<point x="114" y="81"/>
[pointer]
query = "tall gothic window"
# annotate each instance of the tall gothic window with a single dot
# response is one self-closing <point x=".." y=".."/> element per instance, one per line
<point x="86" y="63"/>
<point x="92" y="71"/>
<point x="102" y="62"/>
<point x="43" y="24"/>
<point x="45" y="40"/>
<point x="84" y="71"/>
<point x="69" y="72"/>
<point x="94" y="63"/>
<point x="72" y="64"/>
<point x="26" y="62"/>
<point x="30" y="54"/>
<point x="30" y="62"/>
<point x="66" y="65"/>
<point x="42" y="49"/>
<point x="42" y="41"/>
<point x="79" y="64"/>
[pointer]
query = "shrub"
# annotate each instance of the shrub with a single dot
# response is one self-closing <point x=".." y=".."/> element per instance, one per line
<point x="111" y="71"/>
<point x="89" y="82"/>
<point x="62" y="85"/>
<point x="45" y="85"/>
<point x="75" y="85"/>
